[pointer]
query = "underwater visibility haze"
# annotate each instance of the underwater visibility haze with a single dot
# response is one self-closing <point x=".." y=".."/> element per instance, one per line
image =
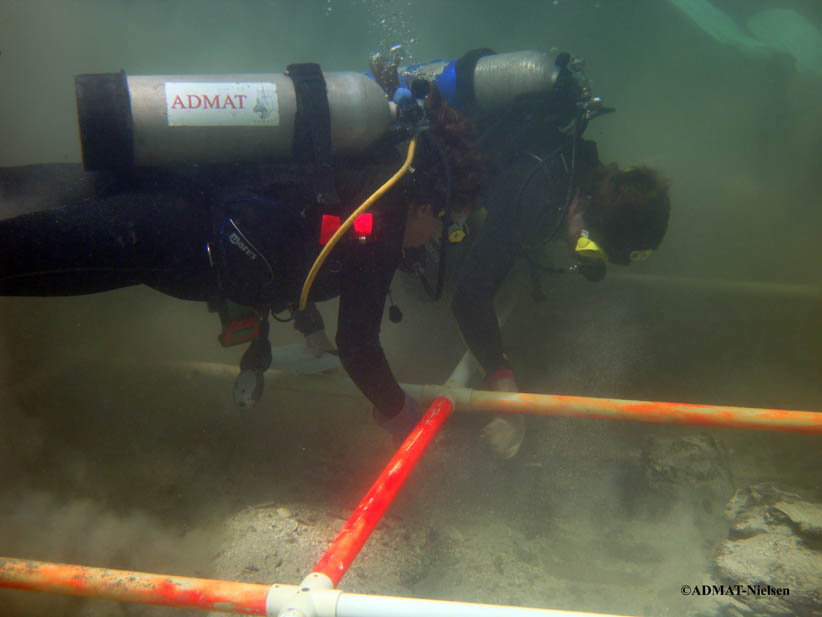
<point x="110" y="458"/>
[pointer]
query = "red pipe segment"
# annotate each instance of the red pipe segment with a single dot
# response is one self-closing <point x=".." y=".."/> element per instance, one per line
<point x="127" y="586"/>
<point x="345" y="547"/>
<point x="250" y="599"/>
<point x="229" y="596"/>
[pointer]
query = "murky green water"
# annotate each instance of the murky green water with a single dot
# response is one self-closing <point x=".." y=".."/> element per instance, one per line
<point x="106" y="462"/>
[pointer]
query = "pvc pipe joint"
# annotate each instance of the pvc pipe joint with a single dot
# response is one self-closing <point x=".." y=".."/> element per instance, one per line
<point x="315" y="597"/>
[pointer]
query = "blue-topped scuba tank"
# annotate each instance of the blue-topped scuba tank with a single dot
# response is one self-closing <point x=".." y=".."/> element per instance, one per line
<point x="484" y="82"/>
<point x="485" y="79"/>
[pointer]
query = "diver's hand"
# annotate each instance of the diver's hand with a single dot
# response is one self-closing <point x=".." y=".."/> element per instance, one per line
<point x="248" y="387"/>
<point x="319" y="343"/>
<point x="401" y="423"/>
<point x="504" y="434"/>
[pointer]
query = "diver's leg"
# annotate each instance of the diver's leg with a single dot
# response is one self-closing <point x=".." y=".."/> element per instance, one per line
<point x="32" y="188"/>
<point x="98" y="245"/>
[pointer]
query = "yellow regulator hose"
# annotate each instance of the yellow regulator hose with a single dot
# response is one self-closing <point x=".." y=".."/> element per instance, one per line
<point x="312" y="274"/>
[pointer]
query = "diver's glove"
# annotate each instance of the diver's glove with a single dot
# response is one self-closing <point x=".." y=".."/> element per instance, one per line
<point x="319" y="343"/>
<point x="309" y="322"/>
<point x="248" y="387"/>
<point x="403" y="422"/>
<point x="504" y="434"/>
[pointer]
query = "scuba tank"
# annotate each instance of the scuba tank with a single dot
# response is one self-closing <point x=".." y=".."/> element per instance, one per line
<point x="151" y="120"/>
<point x="485" y="82"/>
<point x="492" y="87"/>
<point x="489" y="80"/>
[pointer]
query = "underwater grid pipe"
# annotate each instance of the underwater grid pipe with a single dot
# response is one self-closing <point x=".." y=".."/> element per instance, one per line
<point x="468" y="400"/>
<point x="240" y="598"/>
<point x="657" y="412"/>
<point x="485" y="401"/>
<point x="337" y="559"/>
<point x="314" y="597"/>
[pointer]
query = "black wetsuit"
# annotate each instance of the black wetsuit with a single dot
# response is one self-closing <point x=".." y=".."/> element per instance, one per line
<point x="526" y="205"/>
<point x="239" y="233"/>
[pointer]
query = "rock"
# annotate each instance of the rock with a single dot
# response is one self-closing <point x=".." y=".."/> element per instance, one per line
<point x="774" y="551"/>
<point x="686" y="461"/>
<point x="690" y="473"/>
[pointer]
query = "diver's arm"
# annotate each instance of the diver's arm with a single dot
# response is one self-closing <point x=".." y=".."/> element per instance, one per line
<point x="492" y="256"/>
<point x="522" y="205"/>
<point x="491" y="259"/>
<point x="366" y="274"/>
<point x="101" y="244"/>
<point x="33" y="188"/>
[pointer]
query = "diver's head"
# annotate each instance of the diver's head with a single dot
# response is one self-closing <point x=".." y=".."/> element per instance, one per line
<point x="624" y="218"/>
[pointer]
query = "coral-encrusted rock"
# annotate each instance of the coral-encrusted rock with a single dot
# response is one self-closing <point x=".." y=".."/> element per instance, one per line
<point x="690" y="473"/>
<point x="775" y="547"/>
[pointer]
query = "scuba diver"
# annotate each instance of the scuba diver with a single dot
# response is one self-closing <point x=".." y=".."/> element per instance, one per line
<point x="244" y="236"/>
<point x="547" y="184"/>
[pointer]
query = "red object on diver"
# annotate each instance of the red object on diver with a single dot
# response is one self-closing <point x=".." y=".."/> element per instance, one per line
<point x="328" y="227"/>
<point x="364" y="225"/>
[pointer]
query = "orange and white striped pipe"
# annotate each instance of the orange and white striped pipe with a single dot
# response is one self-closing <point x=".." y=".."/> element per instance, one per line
<point x="656" y="412"/>
<point x="140" y="587"/>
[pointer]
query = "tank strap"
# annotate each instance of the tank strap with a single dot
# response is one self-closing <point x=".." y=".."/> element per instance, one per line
<point x="106" y="124"/>
<point x="464" y="71"/>
<point x="312" y="130"/>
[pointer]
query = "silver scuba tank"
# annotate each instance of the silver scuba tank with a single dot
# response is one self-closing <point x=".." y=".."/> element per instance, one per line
<point x="500" y="78"/>
<point x="149" y="120"/>
<point x="496" y="80"/>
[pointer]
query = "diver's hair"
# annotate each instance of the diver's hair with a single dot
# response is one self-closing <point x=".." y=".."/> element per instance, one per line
<point x="629" y="210"/>
<point x="457" y="136"/>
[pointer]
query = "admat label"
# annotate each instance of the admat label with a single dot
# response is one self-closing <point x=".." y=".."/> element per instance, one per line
<point x="222" y="104"/>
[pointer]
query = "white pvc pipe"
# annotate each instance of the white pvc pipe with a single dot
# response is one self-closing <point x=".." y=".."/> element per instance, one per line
<point x="283" y="601"/>
<point x="723" y="285"/>
<point x="357" y="605"/>
<point x="465" y="369"/>
<point x="315" y="596"/>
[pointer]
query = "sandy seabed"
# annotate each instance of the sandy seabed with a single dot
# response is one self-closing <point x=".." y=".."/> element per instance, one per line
<point x="117" y="457"/>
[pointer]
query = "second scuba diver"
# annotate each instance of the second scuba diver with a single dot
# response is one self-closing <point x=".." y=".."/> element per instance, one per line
<point x="548" y="185"/>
